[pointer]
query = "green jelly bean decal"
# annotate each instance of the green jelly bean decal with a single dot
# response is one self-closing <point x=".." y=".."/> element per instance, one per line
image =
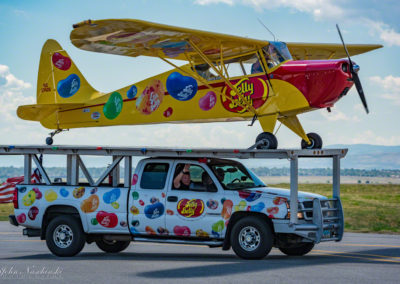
<point x="113" y="106"/>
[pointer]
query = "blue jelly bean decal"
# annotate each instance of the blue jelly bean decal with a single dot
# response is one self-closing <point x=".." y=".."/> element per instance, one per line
<point x="112" y="196"/>
<point x="69" y="86"/>
<point x="132" y="92"/>
<point x="182" y="88"/>
<point x="154" y="211"/>
<point x="64" y="192"/>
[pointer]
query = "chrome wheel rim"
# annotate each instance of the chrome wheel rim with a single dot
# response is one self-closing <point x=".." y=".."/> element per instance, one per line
<point x="249" y="238"/>
<point x="63" y="236"/>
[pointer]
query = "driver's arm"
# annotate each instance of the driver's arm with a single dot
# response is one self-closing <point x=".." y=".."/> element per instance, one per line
<point x="178" y="178"/>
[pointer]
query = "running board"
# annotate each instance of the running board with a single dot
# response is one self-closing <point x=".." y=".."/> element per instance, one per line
<point x="182" y="242"/>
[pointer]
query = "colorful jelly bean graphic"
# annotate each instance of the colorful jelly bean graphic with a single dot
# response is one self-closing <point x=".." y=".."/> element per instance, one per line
<point x="50" y="195"/>
<point x="202" y="234"/>
<point x="141" y="202"/>
<point x="113" y="106"/>
<point x="93" y="190"/>
<point x="150" y="231"/>
<point x="90" y="204"/>
<point x="227" y="209"/>
<point x="217" y="228"/>
<point x="32" y="213"/>
<point x="21" y="218"/>
<point x="240" y="206"/>
<point x="154" y="200"/>
<point x="134" y="210"/>
<point x="64" y="192"/>
<point x="112" y="196"/>
<point x="208" y="101"/>
<point x="29" y="198"/>
<point x="256" y="208"/>
<point x="170" y="212"/>
<point x="279" y="200"/>
<point x="38" y="193"/>
<point x="182" y="231"/>
<point x="153" y="211"/>
<point x="249" y="196"/>
<point x="168" y="112"/>
<point x="135" y="195"/>
<point x="135" y="223"/>
<point x="190" y="208"/>
<point x="163" y="195"/>
<point x="135" y="179"/>
<point x="123" y="224"/>
<point x="134" y="231"/>
<point x="115" y="205"/>
<point x="60" y="61"/>
<point x="212" y="204"/>
<point x="162" y="231"/>
<point x="78" y="192"/>
<point x="272" y="211"/>
<point x="21" y="189"/>
<point x="108" y="220"/>
<point x="132" y="92"/>
<point x="95" y="115"/>
<point x="181" y="88"/>
<point x="69" y="86"/>
<point x="94" y="221"/>
<point x="151" y="98"/>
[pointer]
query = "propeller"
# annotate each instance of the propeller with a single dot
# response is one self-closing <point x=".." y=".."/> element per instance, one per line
<point x="354" y="74"/>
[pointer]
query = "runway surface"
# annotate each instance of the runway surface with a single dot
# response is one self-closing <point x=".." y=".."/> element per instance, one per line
<point x="358" y="258"/>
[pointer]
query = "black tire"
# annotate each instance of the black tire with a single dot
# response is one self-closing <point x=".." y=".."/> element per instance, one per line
<point x="316" y="141"/>
<point x="112" y="246"/>
<point x="49" y="141"/>
<point x="70" y="228"/>
<point x="261" y="248"/>
<point x="297" y="250"/>
<point x="268" y="141"/>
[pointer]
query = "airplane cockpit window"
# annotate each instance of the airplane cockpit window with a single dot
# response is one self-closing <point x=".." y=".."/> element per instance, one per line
<point x="276" y="53"/>
<point x="206" y="72"/>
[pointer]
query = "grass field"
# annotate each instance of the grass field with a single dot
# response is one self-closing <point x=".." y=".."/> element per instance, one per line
<point x="367" y="207"/>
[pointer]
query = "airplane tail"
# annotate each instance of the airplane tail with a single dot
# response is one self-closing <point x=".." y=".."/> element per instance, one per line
<point x="60" y="86"/>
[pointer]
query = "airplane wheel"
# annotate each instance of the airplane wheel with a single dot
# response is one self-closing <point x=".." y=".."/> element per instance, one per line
<point x="49" y="141"/>
<point x="315" y="139"/>
<point x="266" y="140"/>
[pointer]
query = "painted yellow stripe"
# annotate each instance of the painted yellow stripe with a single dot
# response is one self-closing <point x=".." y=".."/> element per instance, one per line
<point x="366" y="245"/>
<point x="352" y="255"/>
<point x="357" y="253"/>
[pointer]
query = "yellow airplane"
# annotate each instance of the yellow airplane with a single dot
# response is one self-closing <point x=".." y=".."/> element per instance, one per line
<point x="225" y="78"/>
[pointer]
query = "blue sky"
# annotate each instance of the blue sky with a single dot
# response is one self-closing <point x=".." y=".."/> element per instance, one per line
<point x="25" y="25"/>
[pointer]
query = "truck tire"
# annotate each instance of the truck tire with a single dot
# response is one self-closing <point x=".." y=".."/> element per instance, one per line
<point x="297" y="250"/>
<point x="251" y="238"/>
<point x="112" y="246"/>
<point x="65" y="236"/>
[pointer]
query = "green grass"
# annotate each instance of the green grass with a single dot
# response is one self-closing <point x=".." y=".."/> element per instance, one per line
<point x="367" y="207"/>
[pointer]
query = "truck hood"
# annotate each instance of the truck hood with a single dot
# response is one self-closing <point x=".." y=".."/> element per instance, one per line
<point x="303" y="196"/>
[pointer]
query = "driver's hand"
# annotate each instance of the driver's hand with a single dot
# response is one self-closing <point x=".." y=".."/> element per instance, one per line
<point x="186" y="168"/>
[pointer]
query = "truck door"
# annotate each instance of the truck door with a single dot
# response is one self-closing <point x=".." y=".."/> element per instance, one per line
<point x="194" y="210"/>
<point x="147" y="198"/>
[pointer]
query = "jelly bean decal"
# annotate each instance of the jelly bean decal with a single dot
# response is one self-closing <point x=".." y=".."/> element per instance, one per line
<point x="135" y="223"/>
<point x="113" y="106"/>
<point x="123" y="224"/>
<point x="135" y="179"/>
<point x="163" y="195"/>
<point x="21" y="189"/>
<point x="94" y="221"/>
<point x="21" y="218"/>
<point x="279" y="200"/>
<point x="69" y="86"/>
<point x="64" y="192"/>
<point x="61" y="62"/>
<point x="78" y="192"/>
<point x="190" y="208"/>
<point x="162" y="231"/>
<point x="32" y="213"/>
<point x="208" y="101"/>
<point x="135" y="195"/>
<point x="90" y="204"/>
<point x="132" y="92"/>
<point x="170" y="212"/>
<point x="154" y="200"/>
<point x="217" y="228"/>
<point x="182" y="231"/>
<point x="249" y="196"/>
<point x="168" y="112"/>
<point x="272" y="211"/>
<point x="181" y="88"/>
<point x="227" y="209"/>
<point x="93" y="190"/>
<point x="112" y="196"/>
<point x="141" y="202"/>
<point x="150" y="231"/>
<point x="212" y="204"/>
<point x="154" y="211"/>
<point x="256" y="208"/>
<point x="95" y="115"/>
<point x="134" y="231"/>
<point x="240" y="206"/>
<point x="115" y="205"/>
<point x="29" y="198"/>
<point x="201" y="234"/>
<point x="108" y="220"/>
<point x="38" y="193"/>
<point x="151" y="98"/>
<point x="134" y="210"/>
<point x="50" y="195"/>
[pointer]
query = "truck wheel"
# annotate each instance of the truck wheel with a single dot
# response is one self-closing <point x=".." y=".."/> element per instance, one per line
<point x="251" y="238"/>
<point x="297" y="250"/>
<point x="65" y="236"/>
<point x="112" y="246"/>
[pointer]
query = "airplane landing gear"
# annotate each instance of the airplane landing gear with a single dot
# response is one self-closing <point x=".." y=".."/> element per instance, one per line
<point x="49" y="140"/>
<point x="266" y="140"/>
<point x="315" y="139"/>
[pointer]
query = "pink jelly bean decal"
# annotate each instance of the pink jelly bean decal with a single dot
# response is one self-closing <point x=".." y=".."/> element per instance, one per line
<point x="208" y="101"/>
<point x="61" y="62"/>
<point x="32" y="213"/>
<point x="21" y="218"/>
<point x="182" y="231"/>
<point x="134" y="179"/>
<point x="168" y="112"/>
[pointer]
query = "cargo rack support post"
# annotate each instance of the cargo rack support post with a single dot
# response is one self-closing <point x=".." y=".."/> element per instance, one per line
<point x="74" y="163"/>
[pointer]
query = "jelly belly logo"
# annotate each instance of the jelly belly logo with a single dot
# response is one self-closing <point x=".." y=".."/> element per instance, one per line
<point x="254" y="91"/>
<point x="190" y="208"/>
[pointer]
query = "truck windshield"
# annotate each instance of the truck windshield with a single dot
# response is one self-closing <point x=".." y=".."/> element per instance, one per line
<point x="236" y="176"/>
<point x="276" y="53"/>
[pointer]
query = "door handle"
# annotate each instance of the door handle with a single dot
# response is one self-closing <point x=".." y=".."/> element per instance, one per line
<point x="172" y="198"/>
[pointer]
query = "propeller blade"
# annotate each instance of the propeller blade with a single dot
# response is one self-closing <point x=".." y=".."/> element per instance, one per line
<point x="345" y="48"/>
<point x="360" y="91"/>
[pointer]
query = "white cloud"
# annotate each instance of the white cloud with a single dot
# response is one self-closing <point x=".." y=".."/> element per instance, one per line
<point x="370" y="137"/>
<point x="385" y="32"/>
<point x="337" y="115"/>
<point x="391" y="87"/>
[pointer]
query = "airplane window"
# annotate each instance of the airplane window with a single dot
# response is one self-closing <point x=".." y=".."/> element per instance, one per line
<point x="205" y="71"/>
<point x="276" y="53"/>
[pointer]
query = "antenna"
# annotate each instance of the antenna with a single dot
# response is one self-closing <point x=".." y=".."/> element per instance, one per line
<point x="266" y="28"/>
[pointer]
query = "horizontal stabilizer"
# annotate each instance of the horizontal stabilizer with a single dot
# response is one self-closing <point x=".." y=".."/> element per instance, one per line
<point x="41" y="111"/>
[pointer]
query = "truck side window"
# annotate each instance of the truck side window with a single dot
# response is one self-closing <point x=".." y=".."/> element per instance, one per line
<point x="154" y="176"/>
<point x="192" y="177"/>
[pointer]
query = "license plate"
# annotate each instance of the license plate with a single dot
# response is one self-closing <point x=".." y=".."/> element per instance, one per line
<point x="327" y="234"/>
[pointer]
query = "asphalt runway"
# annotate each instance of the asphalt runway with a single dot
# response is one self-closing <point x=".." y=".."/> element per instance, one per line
<point x="358" y="258"/>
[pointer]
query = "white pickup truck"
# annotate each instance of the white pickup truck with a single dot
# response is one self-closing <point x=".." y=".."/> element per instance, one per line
<point x="209" y="201"/>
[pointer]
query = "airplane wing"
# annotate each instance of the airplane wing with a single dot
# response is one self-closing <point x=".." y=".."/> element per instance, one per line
<point x="314" y="51"/>
<point x="135" y="37"/>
